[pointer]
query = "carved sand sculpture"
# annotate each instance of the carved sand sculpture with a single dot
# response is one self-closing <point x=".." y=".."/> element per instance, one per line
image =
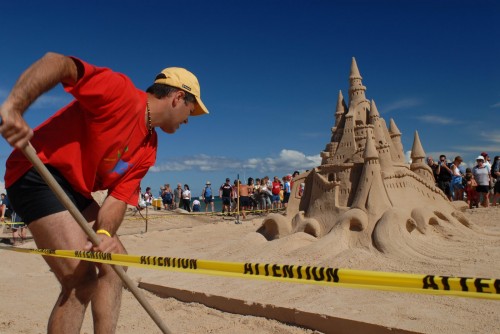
<point x="364" y="194"/>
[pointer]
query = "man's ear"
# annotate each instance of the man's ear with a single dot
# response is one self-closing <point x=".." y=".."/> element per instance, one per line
<point x="178" y="96"/>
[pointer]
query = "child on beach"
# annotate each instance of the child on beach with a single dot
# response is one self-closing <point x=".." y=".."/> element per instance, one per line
<point x="470" y="189"/>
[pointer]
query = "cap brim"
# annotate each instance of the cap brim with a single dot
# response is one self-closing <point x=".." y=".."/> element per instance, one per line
<point x="199" y="108"/>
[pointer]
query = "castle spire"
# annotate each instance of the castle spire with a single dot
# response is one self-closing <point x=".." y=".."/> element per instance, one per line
<point x="397" y="151"/>
<point x="341" y="108"/>
<point x="354" y="70"/>
<point x="370" y="150"/>
<point x="418" y="164"/>
<point x="393" y="129"/>
<point x="417" y="151"/>
<point x="356" y="88"/>
<point x="373" y="110"/>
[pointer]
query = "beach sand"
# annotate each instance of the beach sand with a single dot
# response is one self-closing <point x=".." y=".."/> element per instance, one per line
<point x="28" y="289"/>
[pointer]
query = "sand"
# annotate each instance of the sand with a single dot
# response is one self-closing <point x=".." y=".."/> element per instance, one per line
<point x="28" y="289"/>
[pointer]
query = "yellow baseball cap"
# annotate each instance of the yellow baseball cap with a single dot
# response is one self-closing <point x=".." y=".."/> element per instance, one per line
<point x="185" y="80"/>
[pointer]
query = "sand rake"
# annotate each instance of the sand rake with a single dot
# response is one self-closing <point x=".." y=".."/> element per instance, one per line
<point x="30" y="153"/>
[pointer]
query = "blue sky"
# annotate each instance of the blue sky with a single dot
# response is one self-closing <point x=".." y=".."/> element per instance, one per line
<point x="270" y="72"/>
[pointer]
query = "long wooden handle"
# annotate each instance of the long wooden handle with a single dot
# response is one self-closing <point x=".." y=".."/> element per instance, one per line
<point x="30" y="153"/>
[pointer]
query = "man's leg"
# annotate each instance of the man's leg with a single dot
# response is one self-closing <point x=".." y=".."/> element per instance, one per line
<point x="107" y="294"/>
<point x="78" y="278"/>
<point x="106" y="299"/>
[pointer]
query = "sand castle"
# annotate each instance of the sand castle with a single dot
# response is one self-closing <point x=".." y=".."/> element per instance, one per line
<point x="364" y="193"/>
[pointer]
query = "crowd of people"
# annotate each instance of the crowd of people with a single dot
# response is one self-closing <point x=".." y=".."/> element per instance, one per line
<point x="260" y="194"/>
<point x="478" y="186"/>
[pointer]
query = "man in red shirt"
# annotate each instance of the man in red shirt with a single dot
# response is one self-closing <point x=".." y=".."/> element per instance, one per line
<point x="103" y="140"/>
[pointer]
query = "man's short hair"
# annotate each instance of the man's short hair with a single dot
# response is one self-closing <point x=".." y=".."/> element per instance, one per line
<point x="161" y="90"/>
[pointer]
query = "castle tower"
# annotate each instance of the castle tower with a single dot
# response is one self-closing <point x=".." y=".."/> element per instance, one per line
<point x="370" y="193"/>
<point x="397" y="151"/>
<point x="331" y="147"/>
<point x="418" y="164"/>
<point x="382" y="144"/>
<point x="358" y="104"/>
<point x="341" y="110"/>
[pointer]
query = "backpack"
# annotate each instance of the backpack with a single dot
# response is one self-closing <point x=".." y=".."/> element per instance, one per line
<point x="208" y="192"/>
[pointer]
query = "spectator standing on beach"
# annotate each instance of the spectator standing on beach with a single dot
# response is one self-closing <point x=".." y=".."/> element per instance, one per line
<point x="258" y="195"/>
<point x="208" y="196"/>
<point x="252" y="204"/>
<point x="167" y="197"/>
<point x="104" y="139"/>
<point x="276" y="189"/>
<point x="470" y="189"/>
<point x="264" y="194"/>
<point x="487" y="159"/>
<point x="226" y="193"/>
<point x="457" y="180"/>
<point x="148" y="196"/>
<point x="444" y="176"/>
<point x="186" y="198"/>
<point x="234" y="196"/>
<point x="434" y="166"/>
<point x="287" y="189"/>
<point x="295" y="173"/>
<point x="482" y="176"/>
<point x="244" y="199"/>
<point x="178" y="196"/>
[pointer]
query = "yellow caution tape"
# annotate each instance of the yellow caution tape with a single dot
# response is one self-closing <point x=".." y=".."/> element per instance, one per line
<point x="486" y="288"/>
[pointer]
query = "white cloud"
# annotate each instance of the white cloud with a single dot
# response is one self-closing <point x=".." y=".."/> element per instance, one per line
<point x="408" y="157"/>
<point x="287" y="160"/>
<point x="436" y="119"/>
<point x="496" y="105"/>
<point x="401" y="104"/>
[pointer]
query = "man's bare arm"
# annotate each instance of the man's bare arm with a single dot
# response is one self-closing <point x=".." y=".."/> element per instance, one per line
<point x="109" y="218"/>
<point x="39" y="78"/>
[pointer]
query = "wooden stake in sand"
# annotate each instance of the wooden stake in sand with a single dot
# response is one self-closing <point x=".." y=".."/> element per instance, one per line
<point x="30" y="153"/>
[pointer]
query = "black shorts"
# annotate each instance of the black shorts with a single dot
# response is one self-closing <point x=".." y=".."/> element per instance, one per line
<point x="226" y="200"/>
<point x="483" y="189"/>
<point x="497" y="187"/>
<point x="31" y="197"/>
<point x="244" y="201"/>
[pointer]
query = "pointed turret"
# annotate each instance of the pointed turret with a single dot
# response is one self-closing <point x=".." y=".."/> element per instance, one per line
<point x="379" y="130"/>
<point x="354" y="70"/>
<point x="418" y="164"/>
<point x="341" y="108"/>
<point x="393" y="129"/>
<point x="370" y="152"/>
<point x="356" y="88"/>
<point x="370" y="193"/>
<point x="397" y="151"/>
<point x="417" y="152"/>
<point x="358" y="104"/>
<point x="373" y="110"/>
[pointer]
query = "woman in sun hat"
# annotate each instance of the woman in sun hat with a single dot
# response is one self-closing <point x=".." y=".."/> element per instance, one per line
<point x="482" y="176"/>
